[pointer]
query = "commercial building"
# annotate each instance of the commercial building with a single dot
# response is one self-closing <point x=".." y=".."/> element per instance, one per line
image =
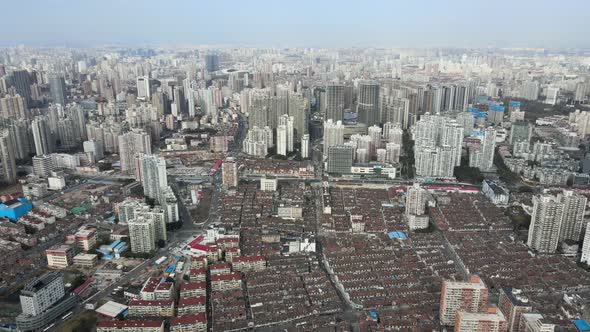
<point x="42" y="301"/>
<point x="470" y="296"/>
<point x="86" y="238"/>
<point x="57" y="86"/>
<point x="340" y="159"/>
<point x="15" y="208"/>
<point x="334" y="101"/>
<point x="368" y="103"/>
<point x="59" y="256"/>
<point x="86" y="260"/>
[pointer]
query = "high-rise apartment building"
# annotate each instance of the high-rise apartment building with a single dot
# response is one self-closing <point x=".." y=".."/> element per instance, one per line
<point x="586" y="246"/>
<point x="152" y="174"/>
<point x="333" y="134"/>
<point x="143" y="88"/>
<point x="282" y="140"/>
<point x="43" y="166"/>
<point x="42" y="136"/>
<point x="469" y="296"/>
<point x="305" y="146"/>
<point x="555" y="219"/>
<point x="130" y="144"/>
<point x="142" y="234"/>
<point x="416" y="200"/>
<point x="8" y="172"/>
<point x="393" y="133"/>
<point x="484" y="157"/>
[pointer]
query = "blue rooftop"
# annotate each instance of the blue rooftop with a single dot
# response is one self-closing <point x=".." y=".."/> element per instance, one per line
<point x="397" y="235"/>
<point x="514" y="103"/>
<point x="581" y="325"/>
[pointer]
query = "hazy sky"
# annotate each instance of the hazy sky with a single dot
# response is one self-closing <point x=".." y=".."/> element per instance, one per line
<point x="464" y="23"/>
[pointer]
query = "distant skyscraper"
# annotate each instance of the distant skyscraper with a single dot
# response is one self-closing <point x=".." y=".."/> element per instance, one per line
<point x="334" y="101"/>
<point x="305" y="146"/>
<point x="580" y="93"/>
<point x="143" y="88"/>
<point x="287" y="122"/>
<point x="212" y="62"/>
<point x="470" y="296"/>
<point x="282" y="140"/>
<point x="230" y="173"/>
<point x="21" y="83"/>
<point x="42" y="136"/>
<point x="520" y="131"/>
<point x="7" y="158"/>
<point x="530" y="90"/>
<point x="368" y="103"/>
<point x="57" y="85"/>
<point x="130" y="144"/>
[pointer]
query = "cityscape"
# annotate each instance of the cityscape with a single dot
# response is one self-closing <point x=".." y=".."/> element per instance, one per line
<point x="207" y="183"/>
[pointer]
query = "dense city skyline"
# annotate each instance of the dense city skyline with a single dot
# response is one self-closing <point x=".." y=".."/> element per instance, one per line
<point x="335" y="166"/>
<point x="457" y="23"/>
